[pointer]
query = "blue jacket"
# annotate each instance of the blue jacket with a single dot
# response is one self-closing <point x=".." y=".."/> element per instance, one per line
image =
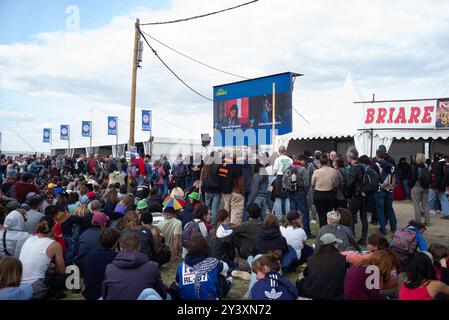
<point x="23" y="292"/>
<point x="422" y="245"/>
<point x="88" y="242"/>
<point x="274" y="287"/>
<point x="94" y="268"/>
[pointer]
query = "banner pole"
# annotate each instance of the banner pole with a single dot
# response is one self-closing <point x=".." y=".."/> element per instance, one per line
<point x="116" y="139"/>
<point x="273" y="120"/>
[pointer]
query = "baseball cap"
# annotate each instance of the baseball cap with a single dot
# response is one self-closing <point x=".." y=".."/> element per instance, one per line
<point x="12" y="205"/>
<point x="84" y="200"/>
<point x="142" y="204"/>
<point x="293" y="215"/>
<point x="329" y="238"/>
<point x="99" y="218"/>
<point x="302" y="157"/>
<point x="195" y="196"/>
<point x="91" y="195"/>
<point x="51" y="186"/>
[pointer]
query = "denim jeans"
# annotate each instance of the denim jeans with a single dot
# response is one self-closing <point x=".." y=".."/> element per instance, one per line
<point x="406" y="186"/>
<point x="140" y="180"/>
<point x="213" y="202"/>
<point x="165" y="186"/>
<point x="384" y="206"/>
<point x="279" y="205"/>
<point x="443" y="201"/>
<point x="160" y="189"/>
<point x="262" y="202"/>
<point x="298" y="202"/>
<point x="245" y="207"/>
<point x="151" y="294"/>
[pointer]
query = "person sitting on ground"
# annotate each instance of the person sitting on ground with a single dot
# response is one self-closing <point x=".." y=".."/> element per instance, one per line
<point x="36" y="255"/>
<point x="342" y="233"/>
<point x="110" y="200"/>
<point x="123" y="192"/>
<point x="73" y="201"/>
<point x="13" y="236"/>
<point x="171" y="229"/>
<point x="440" y="256"/>
<point x="419" y="229"/>
<point x="96" y="262"/>
<point x="295" y="235"/>
<point x="325" y="273"/>
<point x="134" y="225"/>
<point x="155" y="196"/>
<point x="162" y="252"/>
<point x="406" y="242"/>
<point x="10" y="277"/>
<point x="221" y="240"/>
<point x="270" y="238"/>
<point x="197" y="225"/>
<point x="25" y="186"/>
<point x="376" y="241"/>
<point x="131" y="272"/>
<point x="245" y="234"/>
<point x="358" y="276"/>
<point x="124" y="205"/>
<point x="420" y="281"/>
<point x="345" y="217"/>
<point x="186" y="214"/>
<point x="33" y="215"/>
<point x="201" y="277"/>
<point x="90" y="239"/>
<point x="271" y="285"/>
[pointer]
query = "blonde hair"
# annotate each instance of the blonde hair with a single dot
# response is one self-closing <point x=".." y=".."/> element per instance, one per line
<point x="81" y="210"/>
<point x="178" y="192"/>
<point x="334" y="216"/>
<point x="420" y="158"/>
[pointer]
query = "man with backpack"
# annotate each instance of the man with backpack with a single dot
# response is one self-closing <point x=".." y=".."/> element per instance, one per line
<point x="356" y="186"/>
<point x="384" y="197"/>
<point x="420" y="183"/>
<point x="180" y="172"/>
<point x="281" y="200"/>
<point x="231" y="184"/>
<point x="296" y="181"/>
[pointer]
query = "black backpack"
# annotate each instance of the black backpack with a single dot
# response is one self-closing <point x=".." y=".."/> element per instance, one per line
<point x="424" y="177"/>
<point x="181" y="170"/>
<point x="370" y="181"/>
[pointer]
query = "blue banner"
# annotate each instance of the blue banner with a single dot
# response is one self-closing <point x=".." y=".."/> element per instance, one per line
<point x="146" y="120"/>
<point x="46" y="135"/>
<point x="86" y="128"/>
<point x="65" y="132"/>
<point x="243" y="111"/>
<point x="112" y="125"/>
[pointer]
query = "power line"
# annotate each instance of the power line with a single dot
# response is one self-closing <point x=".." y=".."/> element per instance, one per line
<point x="199" y="16"/>
<point x="186" y="56"/>
<point x="300" y="115"/>
<point x="163" y="62"/>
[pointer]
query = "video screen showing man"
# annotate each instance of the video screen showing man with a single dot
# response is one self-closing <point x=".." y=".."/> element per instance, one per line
<point x="233" y="117"/>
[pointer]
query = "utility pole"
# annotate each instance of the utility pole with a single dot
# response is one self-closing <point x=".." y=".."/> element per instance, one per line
<point x="132" y="119"/>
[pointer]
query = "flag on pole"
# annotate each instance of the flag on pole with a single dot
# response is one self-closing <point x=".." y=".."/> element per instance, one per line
<point x="146" y="120"/>
<point x="112" y="126"/>
<point x="86" y="128"/>
<point x="46" y="135"/>
<point x="65" y="132"/>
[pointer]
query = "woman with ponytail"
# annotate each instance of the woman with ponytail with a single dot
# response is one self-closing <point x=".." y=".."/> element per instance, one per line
<point x="36" y="255"/>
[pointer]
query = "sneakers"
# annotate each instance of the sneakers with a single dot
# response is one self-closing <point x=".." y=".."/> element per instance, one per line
<point x="313" y="221"/>
<point x="241" y="275"/>
<point x="433" y="212"/>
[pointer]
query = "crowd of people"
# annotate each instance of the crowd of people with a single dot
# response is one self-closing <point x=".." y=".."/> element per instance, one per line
<point x="225" y="216"/>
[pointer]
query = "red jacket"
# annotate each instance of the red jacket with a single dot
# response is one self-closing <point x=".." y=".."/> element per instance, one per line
<point x="140" y="165"/>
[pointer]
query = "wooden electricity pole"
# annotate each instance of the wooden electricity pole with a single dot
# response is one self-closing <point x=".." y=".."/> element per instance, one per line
<point x="132" y="119"/>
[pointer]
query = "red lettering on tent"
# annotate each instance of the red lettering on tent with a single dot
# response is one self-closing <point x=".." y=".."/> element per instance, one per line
<point x="427" y="117"/>
<point x="390" y="118"/>
<point x="381" y="115"/>
<point x="401" y="116"/>
<point x="414" y="114"/>
<point x="370" y="115"/>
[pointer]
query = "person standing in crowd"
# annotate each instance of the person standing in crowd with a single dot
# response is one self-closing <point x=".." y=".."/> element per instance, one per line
<point x="210" y="184"/>
<point x="259" y="189"/>
<point x="324" y="182"/>
<point x="354" y="189"/>
<point x="420" y="182"/>
<point x="281" y="202"/>
<point x="36" y="255"/>
<point x="313" y="163"/>
<point x="148" y="168"/>
<point x="440" y="185"/>
<point x="96" y="262"/>
<point x="139" y="164"/>
<point x="167" y="167"/>
<point x="298" y="184"/>
<point x="180" y="171"/>
<point x="405" y="175"/>
<point x="10" y="277"/>
<point x="159" y="182"/>
<point x="232" y="188"/>
<point x="131" y="272"/>
<point x="384" y="198"/>
<point x="339" y="165"/>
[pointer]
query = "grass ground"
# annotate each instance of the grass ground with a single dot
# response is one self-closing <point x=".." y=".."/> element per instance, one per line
<point x="437" y="233"/>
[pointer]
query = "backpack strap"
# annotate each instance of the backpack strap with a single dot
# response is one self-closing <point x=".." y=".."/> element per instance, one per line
<point x="4" y="243"/>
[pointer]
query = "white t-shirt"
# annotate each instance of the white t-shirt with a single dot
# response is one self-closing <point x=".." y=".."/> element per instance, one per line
<point x="295" y="238"/>
<point x="281" y="164"/>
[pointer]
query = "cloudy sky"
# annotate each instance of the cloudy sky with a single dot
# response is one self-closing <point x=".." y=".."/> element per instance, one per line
<point x="53" y="71"/>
